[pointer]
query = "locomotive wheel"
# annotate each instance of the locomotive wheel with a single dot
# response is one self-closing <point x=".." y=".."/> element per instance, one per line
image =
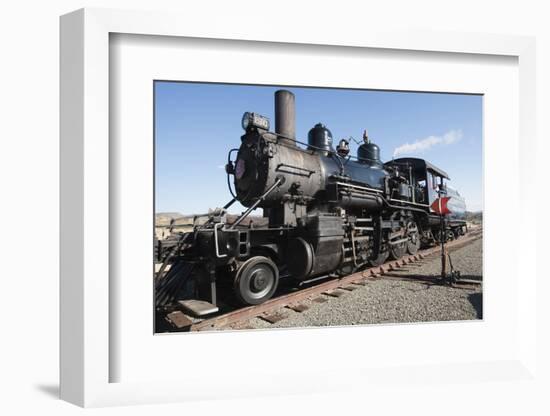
<point x="398" y="250"/>
<point x="380" y="259"/>
<point x="413" y="245"/>
<point x="256" y="280"/>
<point x="450" y="235"/>
<point x="414" y="239"/>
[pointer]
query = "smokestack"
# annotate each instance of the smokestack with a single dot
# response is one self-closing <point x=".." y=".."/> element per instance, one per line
<point x="285" y="115"/>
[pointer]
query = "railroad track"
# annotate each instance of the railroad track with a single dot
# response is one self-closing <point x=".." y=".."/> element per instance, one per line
<point x="334" y="287"/>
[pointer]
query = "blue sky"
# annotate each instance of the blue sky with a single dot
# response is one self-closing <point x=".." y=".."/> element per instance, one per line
<point x="197" y="124"/>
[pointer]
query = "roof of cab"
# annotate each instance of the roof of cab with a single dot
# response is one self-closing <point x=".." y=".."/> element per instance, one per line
<point x="418" y="163"/>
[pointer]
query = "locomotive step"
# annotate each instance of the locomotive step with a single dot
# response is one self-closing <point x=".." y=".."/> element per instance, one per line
<point x="197" y="307"/>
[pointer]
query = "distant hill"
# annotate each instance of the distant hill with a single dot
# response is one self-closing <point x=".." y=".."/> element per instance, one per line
<point x="169" y="214"/>
<point x="474" y="216"/>
<point x="164" y="218"/>
<point x="184" y="223"/>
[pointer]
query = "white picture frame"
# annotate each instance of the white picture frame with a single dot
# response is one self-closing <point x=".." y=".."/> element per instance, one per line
<point x="87" y="356"/>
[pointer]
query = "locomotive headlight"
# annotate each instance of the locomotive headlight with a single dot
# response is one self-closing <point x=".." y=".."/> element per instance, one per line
<point x="255" y="120"/>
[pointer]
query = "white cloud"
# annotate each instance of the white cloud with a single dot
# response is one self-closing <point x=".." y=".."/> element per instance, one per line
<point x="422" y="145"/>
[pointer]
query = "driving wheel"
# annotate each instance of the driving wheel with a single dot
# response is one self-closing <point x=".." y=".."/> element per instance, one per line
<point x="398" y="250"/>
<point x="379" y="259"/>
<point x="414" y="238"/>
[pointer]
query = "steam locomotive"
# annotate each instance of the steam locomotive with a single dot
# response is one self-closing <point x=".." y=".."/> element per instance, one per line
<point x="327" y="213"/>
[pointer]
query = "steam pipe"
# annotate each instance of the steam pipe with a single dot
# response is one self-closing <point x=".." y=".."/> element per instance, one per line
<point x="402" y="207"/>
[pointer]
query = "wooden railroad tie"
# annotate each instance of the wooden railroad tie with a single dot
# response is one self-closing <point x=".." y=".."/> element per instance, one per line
<point x="298" y="307"/>
<point x="273" y="317"/>
<point x="178" y="319"/>
<point x="336" y="293"/>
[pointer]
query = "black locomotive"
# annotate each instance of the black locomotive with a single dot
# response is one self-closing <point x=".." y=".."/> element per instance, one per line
<point x="327" y="213"/>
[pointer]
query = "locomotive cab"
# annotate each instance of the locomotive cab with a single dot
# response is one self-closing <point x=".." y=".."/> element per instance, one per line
<point x="427" y="183"/>
<point x="425" y="180"/>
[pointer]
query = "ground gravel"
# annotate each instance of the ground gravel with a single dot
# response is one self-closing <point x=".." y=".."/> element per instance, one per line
<point x="393" y="301"/>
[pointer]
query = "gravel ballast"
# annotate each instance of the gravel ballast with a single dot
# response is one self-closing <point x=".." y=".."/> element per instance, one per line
<point x="393" y="301"/>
